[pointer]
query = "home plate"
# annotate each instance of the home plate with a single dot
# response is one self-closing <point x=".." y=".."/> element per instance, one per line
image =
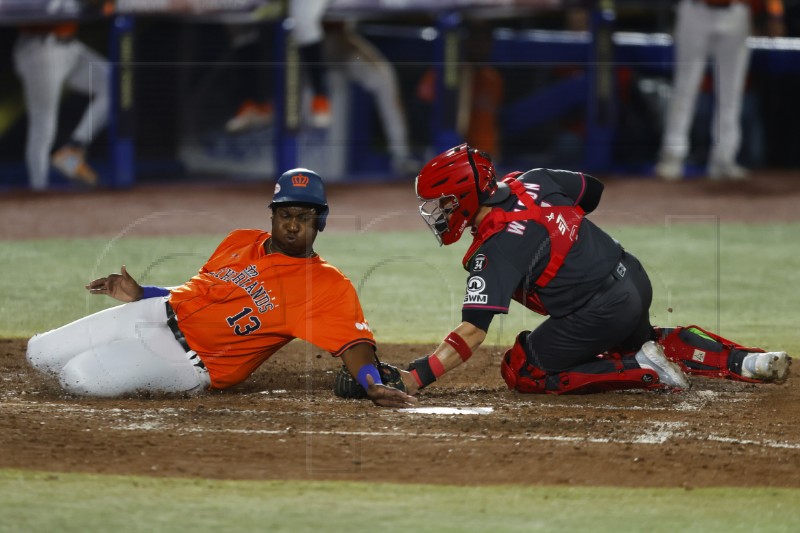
<point x="449" y="410"/>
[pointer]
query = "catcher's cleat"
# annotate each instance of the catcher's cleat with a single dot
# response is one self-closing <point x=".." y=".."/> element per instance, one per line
<point x="652" y="357"/>
<point x="321" y="112"/>
<point x="768" y="366"/>
<point x="251" y="115"/>
<point x="71" y="162"/>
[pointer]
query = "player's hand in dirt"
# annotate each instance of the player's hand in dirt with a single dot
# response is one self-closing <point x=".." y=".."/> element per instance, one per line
<point x="121" y="287"/>
<point x="387" y="396"/>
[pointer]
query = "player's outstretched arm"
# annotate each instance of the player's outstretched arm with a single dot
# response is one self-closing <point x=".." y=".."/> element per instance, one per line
<point x="121" y="287"/>
<point x="455" y="349"/>
<point x="360" y="362"/>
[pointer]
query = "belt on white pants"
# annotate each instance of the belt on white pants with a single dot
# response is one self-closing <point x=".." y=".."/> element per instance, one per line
<point x="194" y="358"/>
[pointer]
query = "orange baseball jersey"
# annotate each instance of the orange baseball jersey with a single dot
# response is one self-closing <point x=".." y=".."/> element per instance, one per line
<point x="245" y="304"/>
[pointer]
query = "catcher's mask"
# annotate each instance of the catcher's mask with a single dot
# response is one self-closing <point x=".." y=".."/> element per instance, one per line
<point x="451" y="188"/>
<point x="302" y="186"/>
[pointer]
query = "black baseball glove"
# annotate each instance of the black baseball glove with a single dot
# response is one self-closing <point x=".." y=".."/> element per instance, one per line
<point x="346" y="386"/>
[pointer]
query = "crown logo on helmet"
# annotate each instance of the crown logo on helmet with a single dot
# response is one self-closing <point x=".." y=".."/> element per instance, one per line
<point x="299" y="180"/>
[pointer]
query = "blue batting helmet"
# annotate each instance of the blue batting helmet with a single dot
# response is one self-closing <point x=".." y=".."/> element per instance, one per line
<point x="302" y="186"/>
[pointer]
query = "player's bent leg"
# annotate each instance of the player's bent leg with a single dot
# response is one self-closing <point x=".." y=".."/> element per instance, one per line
<point x="702" y="353"/>
<point x="50" y="351"/>
<point x="603" y="375"/>
<point x="131" y="366"/>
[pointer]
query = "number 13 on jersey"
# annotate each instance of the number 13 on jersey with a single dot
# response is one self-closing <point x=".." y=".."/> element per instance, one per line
<point x="241" y="326"/>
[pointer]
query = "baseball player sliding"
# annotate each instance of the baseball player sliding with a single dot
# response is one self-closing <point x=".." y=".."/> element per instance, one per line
<point x="256" y="293"/>
<point x="533" y="244"/>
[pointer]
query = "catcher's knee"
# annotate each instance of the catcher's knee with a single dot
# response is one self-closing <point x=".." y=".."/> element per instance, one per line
<point x="523" y="377"/>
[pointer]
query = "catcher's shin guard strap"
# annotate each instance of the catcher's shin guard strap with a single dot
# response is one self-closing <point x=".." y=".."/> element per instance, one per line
<point x="426" y="370"/>
<point x="703" y="353"/>
<point x="459" y="344"/>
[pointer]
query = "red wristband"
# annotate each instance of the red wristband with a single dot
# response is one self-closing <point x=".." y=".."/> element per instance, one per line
<point x="436" y="365"/>
<point x="426" y="370"/>
<point x="459" y="344"/>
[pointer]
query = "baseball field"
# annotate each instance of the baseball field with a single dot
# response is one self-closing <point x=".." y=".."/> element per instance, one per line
<point x="280" y="452"/>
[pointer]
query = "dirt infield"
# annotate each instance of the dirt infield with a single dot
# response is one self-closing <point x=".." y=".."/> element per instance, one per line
<point x="284" y="423"/>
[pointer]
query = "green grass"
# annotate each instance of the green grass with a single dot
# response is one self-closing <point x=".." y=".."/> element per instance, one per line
<point x="732" y="279"/>
<point x="737" y="280"/>
<point x="31" y="501"/>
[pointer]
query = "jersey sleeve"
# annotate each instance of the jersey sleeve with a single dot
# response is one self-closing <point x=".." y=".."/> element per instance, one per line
<point x="336" y="320"/>
<point x="583" y="189"/>
<point x="493" y="277"/>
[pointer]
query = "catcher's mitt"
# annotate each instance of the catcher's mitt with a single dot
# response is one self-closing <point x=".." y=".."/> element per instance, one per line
<point x="346" y="386"/>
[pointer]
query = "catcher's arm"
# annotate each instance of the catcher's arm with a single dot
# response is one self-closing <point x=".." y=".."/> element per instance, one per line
<point x="456" y="348"/>
<point x="363" y="354"/>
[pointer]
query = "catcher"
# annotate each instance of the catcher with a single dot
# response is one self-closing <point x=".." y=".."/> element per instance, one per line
<point x="256" y="293"/>
<point x="532" y="243"/>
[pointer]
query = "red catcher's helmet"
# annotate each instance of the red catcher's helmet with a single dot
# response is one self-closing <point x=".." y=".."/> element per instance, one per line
<point x="451" y="188"/>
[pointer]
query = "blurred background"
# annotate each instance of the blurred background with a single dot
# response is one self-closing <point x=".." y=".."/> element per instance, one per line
<point x="221" y="90"/>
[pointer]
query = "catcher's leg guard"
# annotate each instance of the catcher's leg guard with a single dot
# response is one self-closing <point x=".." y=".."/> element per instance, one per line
<point x="702" y="353"/>
<point x="598" y="376"/>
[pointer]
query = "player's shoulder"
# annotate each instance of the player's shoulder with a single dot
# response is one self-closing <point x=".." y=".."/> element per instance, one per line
<point x="331" y="273"/>
<point x="327" y="269"/>
<point x="241" y="238"/>
<point x="242" y="233"/>
<point x="245" y="235"/>
<point x="540" y="174"/>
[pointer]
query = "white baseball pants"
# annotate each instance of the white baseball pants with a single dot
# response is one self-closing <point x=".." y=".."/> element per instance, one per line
<point x="121" y="350"/>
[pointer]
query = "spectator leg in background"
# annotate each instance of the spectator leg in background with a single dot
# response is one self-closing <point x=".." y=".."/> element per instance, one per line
<point x="367" y="67"/>
<point x="90" y="76"/>
<point x="42" y="64"/>
<point x="731" y="57"/>
<point x="691" y="39"/>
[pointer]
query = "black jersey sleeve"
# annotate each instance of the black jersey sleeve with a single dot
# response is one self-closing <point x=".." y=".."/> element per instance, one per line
<point x="478" y="318"/>
<point x="585" y="190"/>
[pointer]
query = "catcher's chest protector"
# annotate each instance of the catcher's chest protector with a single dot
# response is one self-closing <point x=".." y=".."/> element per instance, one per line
<point x="702" y="353"/>
<point x="561" y="222"/>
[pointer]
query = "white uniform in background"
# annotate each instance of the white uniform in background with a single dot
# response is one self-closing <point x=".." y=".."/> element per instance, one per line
<point x="45" y="63"/>
<point x="307" y="16"/>
<point x="364" y="64"/>
<point x="704" y="32"/>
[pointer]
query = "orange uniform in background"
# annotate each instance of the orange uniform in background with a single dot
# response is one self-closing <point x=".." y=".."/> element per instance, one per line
<point x="484" y="85"/>
<point x="245" y="304"/>
<point x="62" y="30"/>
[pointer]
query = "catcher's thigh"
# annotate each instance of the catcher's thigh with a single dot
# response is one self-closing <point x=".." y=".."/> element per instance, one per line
<point x="597" y="376"/>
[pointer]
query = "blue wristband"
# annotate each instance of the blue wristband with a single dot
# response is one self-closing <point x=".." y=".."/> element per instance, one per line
<point x="153" y="292"/>
<point x="368" y="370"/>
